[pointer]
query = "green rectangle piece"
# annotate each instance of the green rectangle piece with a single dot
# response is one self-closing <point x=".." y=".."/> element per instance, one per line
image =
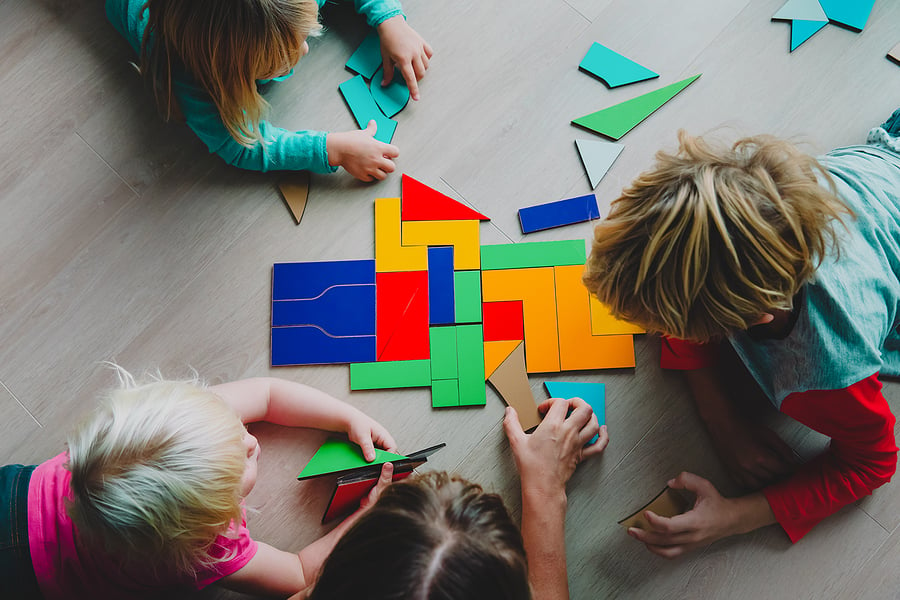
<point x="443" y="352"/>
<point x="467" y="292"/>
<point x="470" y="350"/>
<point x="533" y="254"/>
<point x="390" y="374"/>
<point x="444" y="392"/>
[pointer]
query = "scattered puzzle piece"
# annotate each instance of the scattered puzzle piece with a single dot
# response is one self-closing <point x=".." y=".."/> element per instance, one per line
<point x="612" y="68"/>
<point x="603" y="323"/>
<point x="503" y="321"/>
<point x="309" y="345"/>
<point x="526" y="255"/>
<point x="559" y="213"/>
<point x="467" y="296"/>
<point x="337" y="456"/>
<point x="597" y="157"/>
<point x="511" y="382"/>
<point x="359" y="99"/>
<point x="470" y="365"/>
<point x="391" y="98"/>
<point x="440" y="286"/>
<point x="390" y="254"/>
<point x="667" y="503"/>
<point x="801" y="10"/>
<point x="851" y="13"/>
<point x="422" y="203"/>
<point x="894" y="54"/>
<point x="619" y="119"/>
<point x="803" y="30"/>
<point x="390" y="374"/>
<point x="295" y="191"/>
<point x="366" y="59"/>
<point x="592" y="393"/>
<point x="462" y="235"/>
<point x="402" y="315"/>
<point x="495" y="353"/>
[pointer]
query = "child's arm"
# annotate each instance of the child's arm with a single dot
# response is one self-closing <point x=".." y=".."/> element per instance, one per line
<point x="294" y="404"/>
<point x="546" y="459"/>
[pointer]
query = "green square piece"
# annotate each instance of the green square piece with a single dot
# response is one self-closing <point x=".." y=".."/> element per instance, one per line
<point x="444" y="393"/>
<point x="443" y="352"/>
<point x="526" y="255"/>
<point x="470" y="352"/>
<point x="467" y="292"/>
<point x="390" y="374"/>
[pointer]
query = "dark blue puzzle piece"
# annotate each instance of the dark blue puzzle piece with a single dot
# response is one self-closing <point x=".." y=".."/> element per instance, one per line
<point x="341" y="310"/>
<point x="308" y="345"/>
<point x="557" y="214"/>
<point x="441" y="305"/>
<point x="302" y="280"/>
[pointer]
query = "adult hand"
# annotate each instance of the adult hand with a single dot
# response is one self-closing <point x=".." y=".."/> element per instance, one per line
<point x="366" y="432"/>
<point x="402" y="46"/>
<point x="361" y="154"/>
<point x="384" y="480"/>
<point x="712" y="517"/>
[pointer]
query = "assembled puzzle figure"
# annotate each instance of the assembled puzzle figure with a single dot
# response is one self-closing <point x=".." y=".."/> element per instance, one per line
<point x="204" y="60"/>
<point x="795" y="263"/>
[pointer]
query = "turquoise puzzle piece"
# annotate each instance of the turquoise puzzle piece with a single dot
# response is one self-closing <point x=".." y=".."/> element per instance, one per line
<point x="852" y="13"/>
<point x="367" y="57"/>
<point x="613" y="68"/>
<point x="803" y="30"/>
<point x="391" y="98"/>
<point x="364" y="109"/>
<point x="592" y="393"/>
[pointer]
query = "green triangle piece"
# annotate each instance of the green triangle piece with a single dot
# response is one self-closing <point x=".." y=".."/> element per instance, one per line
<point x="337" y="456"/>
<point x="619" y="119"/>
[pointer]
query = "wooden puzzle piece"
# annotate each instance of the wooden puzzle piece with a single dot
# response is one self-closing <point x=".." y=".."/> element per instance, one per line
<point x="535" y="287"/>
<point x="303" y="280"/>
<point x="443" y="353"/>
<point x="667" y="503"/>
<point x="359" y="99"/>
<point x="495" y="353"/>
<point x="467" y="296"/>
<point x="422" y="203"/>
<point x="366" y="59"/>
<point x="445" y="393"/>
<point x="391" y="98"/>
<point x="338" y="456"/>
<point x="470" y="365"/>
<point x="390" y="374"/>
<point x="462" y="235"/>
<point x="348" y="494"/>
<point x="603" y="323"/>
<point x="390" y="254"/>
<point x="510" y="380"/>
<point x="559" y="213"/>
<point x="592" y="393"/>
<point x="894" y="54"/>
<point x="341" y="310"/>
<point x="612" y="68"/>
<point x="295" y="191"/>
<point x="440" y="286"/>
<point x="401" y="307"/>
<point x="619" y="119"/>
<point x="803" y="30"/>
<point x="597" y="157"/>
<point x="503" y="321"/>
<point x="578" y="347"/>
<point x="850" y="13"/>
<point x="526" y="255"/>
<point x="801" y="10"/>
<point x="309" y="345"/>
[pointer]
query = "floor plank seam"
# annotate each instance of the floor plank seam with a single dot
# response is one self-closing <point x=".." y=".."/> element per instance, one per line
<point x="578" y="12"/>
<point x="879" y="523"/>
<point x="109" y="166"/>
<point x="19" y="402"/>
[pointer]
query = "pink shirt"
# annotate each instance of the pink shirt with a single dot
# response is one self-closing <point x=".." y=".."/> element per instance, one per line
<point x="66" y="569"/>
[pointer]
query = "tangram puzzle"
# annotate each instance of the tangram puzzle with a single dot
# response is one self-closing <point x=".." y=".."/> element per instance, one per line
<point x="437" y="309"/>
<point x="809" y="16"/>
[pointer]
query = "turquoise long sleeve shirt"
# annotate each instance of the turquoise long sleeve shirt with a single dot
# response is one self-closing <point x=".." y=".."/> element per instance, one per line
<point x="281" y="149"/>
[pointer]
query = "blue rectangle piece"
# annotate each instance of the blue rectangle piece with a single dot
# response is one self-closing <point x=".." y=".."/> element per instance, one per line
<point x="308" y="345"/>
<point x="302" y="280"/>
<point x="557" y="214"/>
<point x="341" y="310"/>
<point x="440" y="286"/>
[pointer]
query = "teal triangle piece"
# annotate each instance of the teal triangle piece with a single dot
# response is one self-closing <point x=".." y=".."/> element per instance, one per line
<point x="619" y="119"/>
<point x="800" y="10"/>
<point x="597" y="157"/>
<point x="391" y="98"/>
<point x="592" y="393"/>
<point x="337" y="456"/>
<point x="803" y="30"/>
<point x="613" y="68"/>
<point x="852" y="13"/>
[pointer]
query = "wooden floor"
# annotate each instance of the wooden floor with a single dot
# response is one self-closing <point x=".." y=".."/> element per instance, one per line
<point x="122" y="239"/>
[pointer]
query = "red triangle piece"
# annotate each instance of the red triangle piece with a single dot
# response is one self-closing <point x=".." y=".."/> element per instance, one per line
<point x="421" y="203"/>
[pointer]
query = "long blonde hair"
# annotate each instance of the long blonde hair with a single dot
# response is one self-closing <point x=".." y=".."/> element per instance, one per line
<point x="156" y="473"/>
<point x="712" y="238"/>
<point x="225" y="46"/>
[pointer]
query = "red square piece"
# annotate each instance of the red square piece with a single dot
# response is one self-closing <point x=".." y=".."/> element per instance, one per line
<point x="347" y="496"/>
<point x="401" y="321"/>
<point x="503" y="321"/>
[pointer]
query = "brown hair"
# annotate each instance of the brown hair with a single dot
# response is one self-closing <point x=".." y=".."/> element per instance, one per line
<point x="225" y="45"/>
<point x="432" y="537"/>
<point x="712" y="238"/>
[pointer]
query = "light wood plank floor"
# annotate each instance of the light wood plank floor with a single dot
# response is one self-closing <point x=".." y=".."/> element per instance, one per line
<point x="122" y="239"/>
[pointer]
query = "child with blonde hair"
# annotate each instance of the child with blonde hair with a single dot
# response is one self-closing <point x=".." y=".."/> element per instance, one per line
<point x="205" y="59"/>
<point x="794" y="263"/>
<point x="148" y="498"/>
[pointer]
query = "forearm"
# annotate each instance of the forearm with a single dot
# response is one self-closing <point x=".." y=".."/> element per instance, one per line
<point x="713" y="405"/>
<point x="752" y="512"/>
<point x="543" y="533"/>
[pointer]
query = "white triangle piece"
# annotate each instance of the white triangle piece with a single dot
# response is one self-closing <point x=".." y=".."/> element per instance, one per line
<point x="597" y="158"/>
<point x="801" y="10"/>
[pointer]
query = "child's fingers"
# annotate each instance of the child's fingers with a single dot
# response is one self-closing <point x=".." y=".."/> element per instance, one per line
<point x="371" y="128"/>
<point x="428" y="51"/>
<point x="388" y="72"/>
<point x="368" y="448"/>
<point x="409" y="75"/>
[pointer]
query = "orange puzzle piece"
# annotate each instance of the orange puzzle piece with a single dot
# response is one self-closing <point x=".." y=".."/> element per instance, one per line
<point x="495" y="353"/>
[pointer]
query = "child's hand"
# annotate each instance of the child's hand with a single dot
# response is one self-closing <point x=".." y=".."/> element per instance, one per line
<point x="547" y="458"/>
<point x="367" y="433"/>
<point x="402" y="46"/>
<point x="754" y="454"/>
<point x="384" y="480"/>
<point x="361" y="154"/>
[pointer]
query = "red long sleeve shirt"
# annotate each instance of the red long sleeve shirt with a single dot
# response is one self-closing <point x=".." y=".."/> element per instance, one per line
<point x="862" y="455"/>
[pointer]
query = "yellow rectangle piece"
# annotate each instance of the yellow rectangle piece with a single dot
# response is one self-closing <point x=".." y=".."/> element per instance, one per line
<point x="462" y="235"/>
<point x="535" y="288"/>
<point x="603" y="323"/>
<point x="390" y="254"/>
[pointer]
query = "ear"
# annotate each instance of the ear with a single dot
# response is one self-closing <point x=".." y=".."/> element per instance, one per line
<point x="765" y="318"/>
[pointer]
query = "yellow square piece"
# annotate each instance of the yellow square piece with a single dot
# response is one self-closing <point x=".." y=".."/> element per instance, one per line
<point x="390" y="255"/>
<point x="603" y="323"/>
<point x="534" y="287"/>
<point x="578" y="347"/>
<point x="462" y="235"/>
